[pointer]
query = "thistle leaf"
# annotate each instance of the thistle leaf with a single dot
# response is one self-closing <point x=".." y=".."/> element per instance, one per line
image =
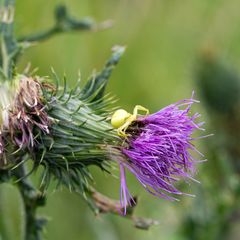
<point x="97" y="84"/>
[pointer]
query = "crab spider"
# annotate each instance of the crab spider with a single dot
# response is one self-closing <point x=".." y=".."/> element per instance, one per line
<point x="121" y="119"/>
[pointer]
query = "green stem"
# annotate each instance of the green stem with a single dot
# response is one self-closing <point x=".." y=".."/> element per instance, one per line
<point x="64" y="22"/>
<point x="82" y="25"/>
<point x="5" y="58"/>
<point x="8" y="8"/>
<point x="32" y="199"/>
<point x="8" y="42"/>
<point x="39" y="36"/>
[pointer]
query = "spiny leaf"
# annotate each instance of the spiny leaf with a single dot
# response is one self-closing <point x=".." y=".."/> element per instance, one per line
<point x="100" y="81"/>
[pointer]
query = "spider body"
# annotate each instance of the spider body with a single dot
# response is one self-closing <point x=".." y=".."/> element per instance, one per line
<point x="121" y="119"/>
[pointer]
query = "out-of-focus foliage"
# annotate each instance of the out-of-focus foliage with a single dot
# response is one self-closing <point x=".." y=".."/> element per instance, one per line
<point x="218" y="84"/>
<point x="215" y="212"/>
<point x="163" y="39"/>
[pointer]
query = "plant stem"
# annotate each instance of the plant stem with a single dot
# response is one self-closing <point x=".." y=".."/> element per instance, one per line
<point x="32" y="199"/>
<point x="104" y="204"/>
<point x="8" y="44"/>
<point x="64" y="22"/>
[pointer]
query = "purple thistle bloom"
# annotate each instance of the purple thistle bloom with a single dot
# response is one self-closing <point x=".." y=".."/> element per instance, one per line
<point x="158" y="150"/>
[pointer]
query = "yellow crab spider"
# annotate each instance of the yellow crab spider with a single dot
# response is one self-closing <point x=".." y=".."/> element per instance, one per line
<point x="121" y="119"/>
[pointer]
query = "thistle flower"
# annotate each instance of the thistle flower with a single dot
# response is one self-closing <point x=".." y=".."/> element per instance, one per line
<point x="67" y="130"/>
<point x="158" y="149"/>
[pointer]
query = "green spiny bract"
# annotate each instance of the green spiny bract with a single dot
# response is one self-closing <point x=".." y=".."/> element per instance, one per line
<point x="80" y="132"/>
<point x="79" y="136"/>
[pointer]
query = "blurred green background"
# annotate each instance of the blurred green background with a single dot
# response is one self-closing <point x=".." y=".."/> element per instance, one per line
<point x="163" y="39"/>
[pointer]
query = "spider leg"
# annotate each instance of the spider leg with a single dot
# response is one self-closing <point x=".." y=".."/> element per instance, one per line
<point x="139" y="108"/>
<point x="122" y="130"/>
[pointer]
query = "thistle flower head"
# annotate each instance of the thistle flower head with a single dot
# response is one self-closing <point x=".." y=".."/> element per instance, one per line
<point x="66" y="131"/>
<point x="158" y="150"/>
<point x="27" y="112"/>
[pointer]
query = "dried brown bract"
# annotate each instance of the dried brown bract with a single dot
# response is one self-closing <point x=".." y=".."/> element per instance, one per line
<point x="27" y="113"/>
